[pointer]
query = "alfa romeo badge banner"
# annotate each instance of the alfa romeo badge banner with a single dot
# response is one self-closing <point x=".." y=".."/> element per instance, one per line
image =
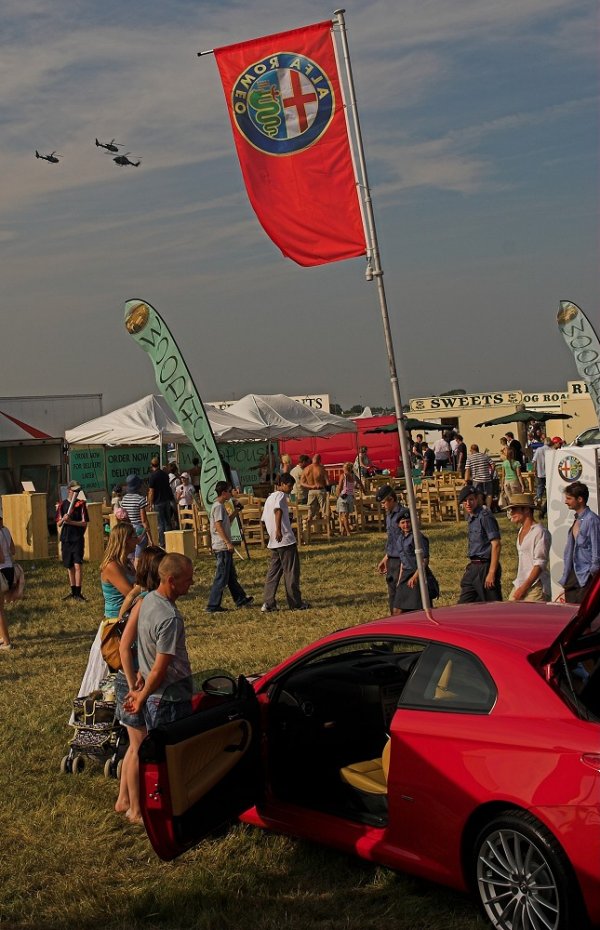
<point x="284" y="101"/>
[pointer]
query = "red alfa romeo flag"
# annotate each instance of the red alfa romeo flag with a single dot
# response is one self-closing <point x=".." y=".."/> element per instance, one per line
<point x="284" y="100"/>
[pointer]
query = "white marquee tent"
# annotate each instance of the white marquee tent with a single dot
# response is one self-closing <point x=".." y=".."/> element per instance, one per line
<point x="256" y="416"/>
<point x="277" y="416"/>
<point x="150" y="420"/>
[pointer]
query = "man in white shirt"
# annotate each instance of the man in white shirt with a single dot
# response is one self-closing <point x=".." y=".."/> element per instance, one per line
<point x="442" y="452"/>
<point x="533" y="546"/>
<point x="284" y="549"/>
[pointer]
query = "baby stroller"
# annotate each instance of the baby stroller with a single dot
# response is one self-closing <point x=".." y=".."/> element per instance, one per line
<point x="98" y="735"/>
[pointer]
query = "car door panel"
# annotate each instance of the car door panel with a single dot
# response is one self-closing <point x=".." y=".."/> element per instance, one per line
<point x="200" y="773"/>
<point x="196" y="765"/>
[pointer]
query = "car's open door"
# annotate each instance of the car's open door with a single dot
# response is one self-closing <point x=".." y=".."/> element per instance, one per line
<point x="202" y="771"/>
<point x="585" y="623"/>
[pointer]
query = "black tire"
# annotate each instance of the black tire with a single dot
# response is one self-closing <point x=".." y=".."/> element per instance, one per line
<point x="77" y="765"/>
<point x="522" y="877"/>
<point x="108" y="769"/>
<point x="65" y="765"/>
<point x="119" y="769"/>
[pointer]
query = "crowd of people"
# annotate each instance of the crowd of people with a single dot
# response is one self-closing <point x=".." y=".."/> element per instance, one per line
<point x="141" y="583"/>
<point x="482" y="577"/>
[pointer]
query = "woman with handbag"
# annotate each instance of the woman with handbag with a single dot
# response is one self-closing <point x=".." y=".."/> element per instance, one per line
<point x="408" y="593"/>
<point x="7" y="580"/>
<point x="116" y="578"/>
<point x="129" y="679"/>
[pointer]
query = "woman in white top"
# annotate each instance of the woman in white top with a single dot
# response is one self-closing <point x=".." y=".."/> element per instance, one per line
<point x="184" y="493"/>
<point x="7" y="551"/>
<point x="533" y="546"/>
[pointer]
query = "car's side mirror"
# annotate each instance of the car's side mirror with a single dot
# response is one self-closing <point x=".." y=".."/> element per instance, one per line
<point x="220" y="686"/>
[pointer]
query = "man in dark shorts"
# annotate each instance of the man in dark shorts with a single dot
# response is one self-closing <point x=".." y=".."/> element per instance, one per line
<point x="73" y="521"/>
<point x="482" y="576"/>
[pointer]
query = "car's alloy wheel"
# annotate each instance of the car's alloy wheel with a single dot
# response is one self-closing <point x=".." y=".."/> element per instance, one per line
<point x="522" y="875"/>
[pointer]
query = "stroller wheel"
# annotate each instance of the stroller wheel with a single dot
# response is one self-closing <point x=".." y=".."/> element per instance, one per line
<point x="65" y="765"/>
<point x="77" y="765"/>
<point x="108" y="769"/>
<point x="119" y="769"/>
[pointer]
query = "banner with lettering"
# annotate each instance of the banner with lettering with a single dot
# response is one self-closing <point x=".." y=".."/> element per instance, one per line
<point x="582" y="340"/>
<point x="122" y="461"/>
<point x="87" y="467"/>
<point x="177" y="386"/>
<point x="244" y="458"/>
<point x="284" y="101"/>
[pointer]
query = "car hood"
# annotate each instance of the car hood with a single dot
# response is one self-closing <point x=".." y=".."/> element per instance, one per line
<point x="585" y="622"/>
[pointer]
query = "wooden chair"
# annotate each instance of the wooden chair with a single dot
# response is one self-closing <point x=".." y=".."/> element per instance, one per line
<point x="445" y="479"/>
<point x="299" y="520"/>
<point x="429" y="502"/>
<point x="254" y="528"/>
<point x="196" y="519"/>
<point x="528" y="479"/>
<point x="370" y="512"/>
<point x="449" y="508"/>
<point x="319" y="527"/>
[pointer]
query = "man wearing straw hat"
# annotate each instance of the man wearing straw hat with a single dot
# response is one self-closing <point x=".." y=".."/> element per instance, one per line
<point x="533" y="546"/>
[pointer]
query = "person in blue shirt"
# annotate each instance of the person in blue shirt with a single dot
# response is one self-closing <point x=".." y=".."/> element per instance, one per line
<point x="481" y="580"/>
<point x="407" y="595"/>
<point x="390" y="563"/>
<point x="582" y="552"/>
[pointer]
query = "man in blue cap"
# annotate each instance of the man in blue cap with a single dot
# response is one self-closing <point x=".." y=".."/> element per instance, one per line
<point x="390" y="563"/>
<point x="481" y="580"/>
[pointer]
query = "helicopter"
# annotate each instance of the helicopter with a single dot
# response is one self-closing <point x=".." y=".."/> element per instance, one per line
<point x="52" y="157"/>
<point x="124" y="160"/>
<point x="111" y="146"/>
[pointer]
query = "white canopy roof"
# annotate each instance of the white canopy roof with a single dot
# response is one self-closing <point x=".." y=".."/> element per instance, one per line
<point x="277" y="416"/>
<point x="150" y="420"/>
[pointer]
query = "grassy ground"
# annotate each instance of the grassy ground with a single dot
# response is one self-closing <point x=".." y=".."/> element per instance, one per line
<point x="68" y="861"/>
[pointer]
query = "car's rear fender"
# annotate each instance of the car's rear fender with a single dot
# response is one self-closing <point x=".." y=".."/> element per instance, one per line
<point x="490" y="811"/>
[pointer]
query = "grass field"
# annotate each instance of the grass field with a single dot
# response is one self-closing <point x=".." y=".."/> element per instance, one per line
<point x="68" y="861"/>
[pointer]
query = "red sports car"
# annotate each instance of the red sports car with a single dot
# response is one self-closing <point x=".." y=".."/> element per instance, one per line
<point x="464" y="748"/>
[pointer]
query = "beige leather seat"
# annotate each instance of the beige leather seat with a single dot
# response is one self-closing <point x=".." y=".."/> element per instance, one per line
<point x="370" y="776"/>
<point x="442" y="689"/>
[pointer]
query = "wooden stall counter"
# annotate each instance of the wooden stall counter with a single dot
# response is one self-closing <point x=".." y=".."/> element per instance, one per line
<point x="26" y="517"/>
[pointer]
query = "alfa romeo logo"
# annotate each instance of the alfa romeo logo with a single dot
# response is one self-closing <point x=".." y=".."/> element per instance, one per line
<point x="283" y="103"/>
<point x="570" y="468"/>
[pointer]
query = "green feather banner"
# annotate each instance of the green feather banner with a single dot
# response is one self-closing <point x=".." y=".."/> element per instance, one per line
<point x="176" y="384"/>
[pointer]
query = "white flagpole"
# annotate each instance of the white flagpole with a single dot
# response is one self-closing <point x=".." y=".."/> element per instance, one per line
<point x="374" y="270"/>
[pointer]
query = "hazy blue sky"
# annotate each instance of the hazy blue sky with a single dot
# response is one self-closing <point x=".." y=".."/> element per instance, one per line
<point x="480" y="126"/>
